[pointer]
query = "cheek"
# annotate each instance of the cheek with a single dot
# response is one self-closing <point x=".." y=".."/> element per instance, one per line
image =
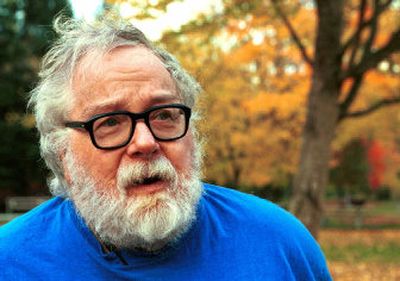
<point x="180" y="153"/>
<point x="100" y="165"/>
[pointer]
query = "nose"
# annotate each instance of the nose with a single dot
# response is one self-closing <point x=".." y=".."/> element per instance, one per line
<point x="143" y="144"/>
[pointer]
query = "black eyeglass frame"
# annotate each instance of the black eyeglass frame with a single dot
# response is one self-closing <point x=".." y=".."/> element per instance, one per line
<point x="88" y="125"/>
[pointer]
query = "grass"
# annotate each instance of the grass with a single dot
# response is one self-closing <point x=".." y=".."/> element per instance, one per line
<point x="361" y="245"/>
<point x="389" y="253"/>
<point x="367" y="251"/>
<point x="385" y="208"/>
<point x="362" y="254"/>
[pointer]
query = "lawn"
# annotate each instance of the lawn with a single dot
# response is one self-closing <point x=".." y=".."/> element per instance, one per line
<point x="362" y="244"/>
<point x="362" y="254"/>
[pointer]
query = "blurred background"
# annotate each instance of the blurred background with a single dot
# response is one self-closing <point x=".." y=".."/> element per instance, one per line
<point x="254" y="61"/>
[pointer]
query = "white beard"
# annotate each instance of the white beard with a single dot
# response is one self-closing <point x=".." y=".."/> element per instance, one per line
<point x="139" y="221"/>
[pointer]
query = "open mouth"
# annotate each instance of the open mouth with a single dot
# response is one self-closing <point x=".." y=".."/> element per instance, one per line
<point x="146" y="185"/>
<point x="151" y="180"/>
<point x="147" y="181"/>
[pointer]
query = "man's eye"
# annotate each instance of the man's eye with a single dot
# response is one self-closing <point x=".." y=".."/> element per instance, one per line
<point x="107" y="123"/>
<point x="171" y="114"/>
<point x="164" y="115"/>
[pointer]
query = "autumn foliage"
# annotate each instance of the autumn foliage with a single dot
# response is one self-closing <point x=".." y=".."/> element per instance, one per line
<point x="376" y="158"/>
<point x="256" y="83"/>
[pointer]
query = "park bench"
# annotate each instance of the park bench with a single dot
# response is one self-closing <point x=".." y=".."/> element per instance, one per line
<point x="16" y="205"/>
<point x="20" y="204"/>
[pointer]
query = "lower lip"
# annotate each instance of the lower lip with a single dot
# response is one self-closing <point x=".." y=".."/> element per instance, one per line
<point x="146" y="189"/>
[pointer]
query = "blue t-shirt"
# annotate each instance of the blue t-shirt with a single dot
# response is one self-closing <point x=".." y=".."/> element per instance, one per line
<point x="235" y="237"/>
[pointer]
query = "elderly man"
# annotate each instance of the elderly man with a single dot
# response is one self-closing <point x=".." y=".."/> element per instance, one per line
<point x="117" y="129"/>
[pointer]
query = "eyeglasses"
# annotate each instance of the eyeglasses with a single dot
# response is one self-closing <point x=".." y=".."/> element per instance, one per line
<point x="115" y="129"/>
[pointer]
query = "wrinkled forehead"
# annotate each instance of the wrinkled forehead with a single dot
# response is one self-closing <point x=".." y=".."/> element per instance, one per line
<point x="123" y="62"/>
<point x="96" y="63"/>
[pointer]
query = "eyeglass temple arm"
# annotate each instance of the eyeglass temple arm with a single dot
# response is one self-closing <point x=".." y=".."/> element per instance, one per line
<point x="75" y="125"/>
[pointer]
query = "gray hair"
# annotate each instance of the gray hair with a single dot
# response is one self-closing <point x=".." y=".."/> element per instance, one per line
<point x="51" y="99"/>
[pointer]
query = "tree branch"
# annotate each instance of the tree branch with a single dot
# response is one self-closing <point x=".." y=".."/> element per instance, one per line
<point x="372" y="108"/>
<point x="373" y="30"/>
<point x="372" y="59"/>
<point x="368" y="60"/>
<point x="350" y="97"/>
<point x="357" y="35"/>
<point x="293" y="33"/>
<point x="380" y="9"/>
<point x="353" y="38"/>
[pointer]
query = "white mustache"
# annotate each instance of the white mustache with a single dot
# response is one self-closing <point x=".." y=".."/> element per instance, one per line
<point x="137" y="173"/>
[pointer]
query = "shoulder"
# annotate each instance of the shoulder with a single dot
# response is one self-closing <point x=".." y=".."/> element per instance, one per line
<point x="270" y="231"/>
<point x="246" y="206"/>
<point x="253" y="212"/>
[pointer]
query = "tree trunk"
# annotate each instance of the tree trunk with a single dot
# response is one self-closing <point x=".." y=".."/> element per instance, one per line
<point x="322" y="117"/>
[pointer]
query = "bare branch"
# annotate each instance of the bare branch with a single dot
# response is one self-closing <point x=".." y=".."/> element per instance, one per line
<point x="372" y="108"/>
<point x="372" y="59"/>
<point x="368" y="60"/>
<point x="373" y="30"/>
<point x="366" y="23"/>
<point x="357" y="35"/>
<point x="293" y="33"/>
<point x="353" y="38"/>
<point x="350" y="97"/>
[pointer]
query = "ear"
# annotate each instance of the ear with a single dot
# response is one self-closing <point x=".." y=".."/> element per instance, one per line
<point x="64" y="166"/>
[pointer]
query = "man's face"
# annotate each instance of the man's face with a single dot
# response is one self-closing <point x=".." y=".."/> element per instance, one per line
<point x="104" y="183"/>
<point x="132" y="79"/>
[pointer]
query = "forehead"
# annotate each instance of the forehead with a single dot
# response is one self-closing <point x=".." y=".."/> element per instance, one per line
<point x="125" y="59"/>
<point x="127" y="74"/>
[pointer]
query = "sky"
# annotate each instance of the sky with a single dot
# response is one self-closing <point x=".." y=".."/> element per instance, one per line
<point x="178" y="13"/>
<point x="86" y="8"/>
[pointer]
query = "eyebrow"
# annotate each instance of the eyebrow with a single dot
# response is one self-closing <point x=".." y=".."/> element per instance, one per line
<point x="112" y="104"/>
